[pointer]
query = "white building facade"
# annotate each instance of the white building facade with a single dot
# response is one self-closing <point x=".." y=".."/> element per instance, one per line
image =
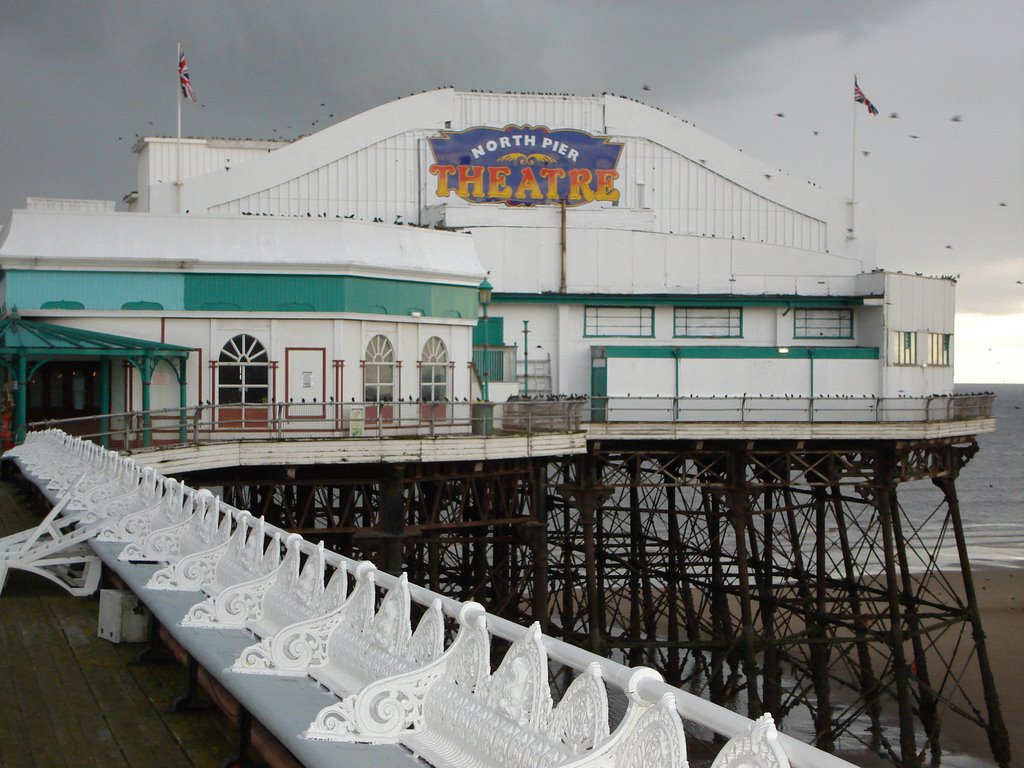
<point x="630" y="254"/>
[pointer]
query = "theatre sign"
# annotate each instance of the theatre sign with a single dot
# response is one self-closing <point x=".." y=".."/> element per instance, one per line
<point x="522" y="165"/>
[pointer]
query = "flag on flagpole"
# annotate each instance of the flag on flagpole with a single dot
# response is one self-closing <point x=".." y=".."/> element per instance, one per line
<point x="185" y="78"/>
<point x="858" y="96"/>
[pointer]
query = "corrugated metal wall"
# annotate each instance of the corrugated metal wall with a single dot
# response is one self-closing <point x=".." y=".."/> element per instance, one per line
<point x="390" y="179"/>
<point x="197" y="159"/>
<point x="380" y="181"/>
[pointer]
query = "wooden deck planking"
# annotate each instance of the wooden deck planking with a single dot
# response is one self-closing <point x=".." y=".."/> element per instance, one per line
<point x="71" y="698"/>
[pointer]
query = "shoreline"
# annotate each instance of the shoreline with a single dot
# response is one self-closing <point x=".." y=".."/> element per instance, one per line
<point x="1000" y="593"/>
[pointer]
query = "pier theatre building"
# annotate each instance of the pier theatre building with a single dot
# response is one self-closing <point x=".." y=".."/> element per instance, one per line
<point x="459" y="247"/>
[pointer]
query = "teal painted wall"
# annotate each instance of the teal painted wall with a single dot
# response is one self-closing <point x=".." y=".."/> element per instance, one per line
<point x="492" y="333"/>
<point x="747" y="353"/>
<point x="31" y="289"/>
<point x="34" y="289"/>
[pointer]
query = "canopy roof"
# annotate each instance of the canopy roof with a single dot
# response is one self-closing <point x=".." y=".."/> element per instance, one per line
<point x="31" y="338"/>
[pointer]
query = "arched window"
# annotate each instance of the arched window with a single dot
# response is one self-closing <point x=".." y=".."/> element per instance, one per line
<point x="434" y="371"/>
<point x="379" y="371"/>
<point x="243" y="372"/>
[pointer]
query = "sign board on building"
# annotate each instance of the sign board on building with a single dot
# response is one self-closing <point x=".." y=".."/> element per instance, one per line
<point x="522" y="165"/>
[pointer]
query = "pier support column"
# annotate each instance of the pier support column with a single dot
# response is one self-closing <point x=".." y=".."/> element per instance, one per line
<point x="392" y="521"/>
<point x="998" y="738"/>
<point x="884" y="480"/>
<point x="867" y="680"/>
<point x="740" y="517"/>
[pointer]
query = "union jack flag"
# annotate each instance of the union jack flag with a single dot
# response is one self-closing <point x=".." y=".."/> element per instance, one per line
<point x="859" y="97"/>
<point x="186" y="80"/>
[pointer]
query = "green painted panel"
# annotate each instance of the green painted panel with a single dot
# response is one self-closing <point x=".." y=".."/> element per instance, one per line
<point x="677" y="300"/>
<point x="747" y="353"/>
<point x="495" y="332"/>
<point x="53" y="289"/>
<point x="328" y="293"/>
<point x="45" y="289"/>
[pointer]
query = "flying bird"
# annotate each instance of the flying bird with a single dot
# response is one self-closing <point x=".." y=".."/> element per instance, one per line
<point x="780" y="114"/>
<point x="1002" y="205"/>
<point x="646" y="87"/>
<point x="894" y="115"/>
<point x="815" y="133"/>
<point x="956" y="118"/>
<point x="949" y="247"/>
<point x="865" y="152"/>
<point x="914" y="136"/>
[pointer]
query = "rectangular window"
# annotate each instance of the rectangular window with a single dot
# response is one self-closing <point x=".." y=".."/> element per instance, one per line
<point x="708" y="322"/>
<point x="618" y="321"/>
<point x="904" y="349"/>
<point x="938" y="348"/>
<point x="823" y="324"/>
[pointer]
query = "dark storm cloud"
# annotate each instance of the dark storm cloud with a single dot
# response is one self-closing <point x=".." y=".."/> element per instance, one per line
<point x="79" y="80"/>
<point x="77" y="76"/>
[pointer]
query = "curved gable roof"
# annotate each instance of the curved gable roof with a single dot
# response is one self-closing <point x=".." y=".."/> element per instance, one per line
<point x="437" y="110"/>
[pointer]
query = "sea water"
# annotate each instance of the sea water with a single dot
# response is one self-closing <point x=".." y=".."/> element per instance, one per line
<point x="990" y="488"/>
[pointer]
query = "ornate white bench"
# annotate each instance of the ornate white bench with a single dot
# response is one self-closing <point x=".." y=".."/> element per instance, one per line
<point x="352" y="646"/>
<point x="165" y="509"/>
<point x="759" y="748"/>
<point x="161" y="542"/>
<point x="456" y="713"/>
<point x="471" y="717"/>
<point x="283" y="596"/>
<point x="200" y="543"/>
<point x="365" y="646"/>
<point x="54" y="458"/>
<point x="241" y="577"/>
<point x="297" y="615"/>
<point x="57" y="548"/>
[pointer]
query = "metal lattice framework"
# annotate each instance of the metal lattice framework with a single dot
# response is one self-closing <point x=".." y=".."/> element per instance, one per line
<point x="457" y="528"/>
<point x="782" y="577"/>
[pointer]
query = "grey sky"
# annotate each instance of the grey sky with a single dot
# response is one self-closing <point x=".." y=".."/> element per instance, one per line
<point x="79" y="80"/>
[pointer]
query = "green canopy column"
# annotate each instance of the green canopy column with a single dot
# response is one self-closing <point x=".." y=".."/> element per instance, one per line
<point x="20" y="398"/>
<point x="146" y="373"/>
<point x="181" y="373"/>
<point x="104" y="382"/>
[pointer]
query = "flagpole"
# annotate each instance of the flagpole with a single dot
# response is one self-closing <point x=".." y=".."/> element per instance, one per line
<point x="850" y="234"/>
<point x="177" y="153"/>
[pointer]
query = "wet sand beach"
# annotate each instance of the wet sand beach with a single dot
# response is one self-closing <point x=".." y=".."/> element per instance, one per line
<point x="1000" y="593"/>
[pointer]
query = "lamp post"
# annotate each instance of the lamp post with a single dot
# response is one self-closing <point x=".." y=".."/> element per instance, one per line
<point x="485" y="299"/>
<point x="526" y="357"/>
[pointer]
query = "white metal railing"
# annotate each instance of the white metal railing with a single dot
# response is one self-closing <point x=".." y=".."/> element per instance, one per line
<point x="46" y="456"/>
<point x="792" y="409"/>
<point x="407" y="418"/>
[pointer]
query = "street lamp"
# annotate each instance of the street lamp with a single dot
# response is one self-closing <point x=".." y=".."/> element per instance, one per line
<point x="526" y="357"/>
<point x="485" y="299"/>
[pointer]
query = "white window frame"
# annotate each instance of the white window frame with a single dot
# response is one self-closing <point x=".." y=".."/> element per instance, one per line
<point x="707" y="322"/>
<point x="635" y="322"/>
<point x="379" y="370"/>
<point x="904" y="348"/>
<point x="823" y="323"/>
<point x="940" y="346"/>
<point x="434" y="371"/>
<point x="248" y="356"/>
